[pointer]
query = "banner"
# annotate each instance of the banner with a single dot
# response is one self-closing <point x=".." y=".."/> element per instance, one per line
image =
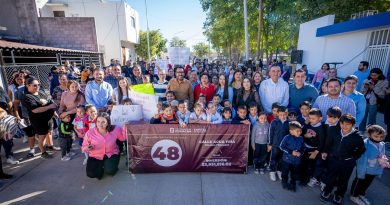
<point x="121" y="114"/>
<point x="179" y="55"/>
<point x="143" y="94"/>
<point x="196" y="148"/>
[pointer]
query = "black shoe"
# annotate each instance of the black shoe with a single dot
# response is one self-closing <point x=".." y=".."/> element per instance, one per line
<point x="285" y="185"/>
<point x="325" y="197"/>
<point x="53" y="148"/>
<point x="46" y="155"/>
<point x="337" y="199"/>
<point x="30" y="155"/>
<point x="292" y="187"/>
<point x="302" y="183"/>
<point x="5" y="176"/>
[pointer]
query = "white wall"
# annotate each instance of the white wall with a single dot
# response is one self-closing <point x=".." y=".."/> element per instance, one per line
<point x="105" y="14"/>
<point x="312" y="46"/>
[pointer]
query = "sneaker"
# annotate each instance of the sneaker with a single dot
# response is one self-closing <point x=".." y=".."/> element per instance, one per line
<point x="337" y="199"/>
<point x="279" y="175"/>
<point x="65" y="158"/>
<point x="261" y="171"/>
<point x="272" y="176"/>
<point x="257" y="171"/>
<point x="268" y="168"/>
<point x="322" y="185"/>
<point x="325" y="197"/>
<point x="357" y="200"/>
<point x="71" y="154"/>
<point x="31" y="153"/>
<point x="85" y="161"/>
<point x="46" y="155"/>
<point x="292" y="187"/>
<point x="25" y="139"/>
<point x="365" y="200"/>
<point x="313" y="182"/>
<point x="53" y="148"/>
<point x="5" y="176"/>
<point x="12" y="160"/>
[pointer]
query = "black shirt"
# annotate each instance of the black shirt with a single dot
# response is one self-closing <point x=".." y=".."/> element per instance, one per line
<point x="32" y="102"/>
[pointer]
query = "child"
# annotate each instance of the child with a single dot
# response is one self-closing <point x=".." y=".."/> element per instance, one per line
<point x="159" y="105"/>
<point x="303" y="118"/>
<point x="274" y="113"/>
<point x="314" y="138"/>
<point x="65" y="139"/>
<point x="8" y="127"/>
<point x="370" y="164"/>
<point x="343" y="151"/>
<point x="259" y="139"/>
<point x="127" y="101"/>
<point x="278" y="129"/>
<point x="110" y="105"/>
<point x="183" y="114"/>
<point x="79" y="123"/>
<point x="217" y="102"/>
<point x="213" y="117"/>
<point x="226" y="115"/>
<point x="170" y="95"/>
<point x="174" y="104"/>
<point x="198" y="116"/>
<point x="90" y="123"/>
<point x="241" y="117"/>
<point x="167" y="117"/>
<point x="226" y="103"/>
<point x="252" y="115"/>
<point x="292" y="147"/>
<point x="292" y="116"/>
<point x="202" y="100"/>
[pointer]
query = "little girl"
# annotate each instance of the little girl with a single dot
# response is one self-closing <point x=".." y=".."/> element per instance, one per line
<point x="370" y="164"/>
<point x="90" y="123"/>
<point x="198" y="116"/>
<point x="259" y="140"/>
<point x="226" y="115"/>
<point x="79" y="123"/>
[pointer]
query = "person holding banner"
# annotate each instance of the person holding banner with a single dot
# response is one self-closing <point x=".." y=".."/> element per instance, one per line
<point x="100" y="143"/>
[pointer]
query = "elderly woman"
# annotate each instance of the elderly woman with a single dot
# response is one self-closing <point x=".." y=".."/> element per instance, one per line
<point x="100" y="144"/>
<point x="71" y="99"/>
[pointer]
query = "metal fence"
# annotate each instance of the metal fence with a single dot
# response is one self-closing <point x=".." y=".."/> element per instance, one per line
<point x="40" y="71"/>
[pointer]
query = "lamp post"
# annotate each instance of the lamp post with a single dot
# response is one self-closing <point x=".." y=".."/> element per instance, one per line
<point x="147" y="31"/>
<point x="246" y="31"/>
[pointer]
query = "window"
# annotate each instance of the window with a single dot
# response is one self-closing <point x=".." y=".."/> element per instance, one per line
<point x="59" y="13"/>
<point x="132" y="21"/>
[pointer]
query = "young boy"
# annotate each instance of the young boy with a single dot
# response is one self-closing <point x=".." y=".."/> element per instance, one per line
<point x="252" y="115"/>
<point x="226" y="103"/>
<point x="274" y="113"/>
<point x="241" y="117"/>
<point x="303" y="118"/>
<point x="314" y="138"/>
<point x="292" y="116"/>
<point x="226" y="115"/>
<point x="342" y="151"/>
<point x="169" y="95"/>
<point x="202" y="100"/>
<point x="66" y="132"/>
<point x="217" y="102"/>
<point x="213" y="117"/>
<point x="278" y="129"/>
<point x="292" y="147"/>
<point x="183" y="114"/>
<point x="198" y="116"/>
<point x="259" y="139"/>
<point x="167" y="117"/>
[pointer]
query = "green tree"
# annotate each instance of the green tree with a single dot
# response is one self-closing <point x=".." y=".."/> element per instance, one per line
<point x="177" y="42"/>
<point x="156" y="41"/>
<point x="201" y="49"/>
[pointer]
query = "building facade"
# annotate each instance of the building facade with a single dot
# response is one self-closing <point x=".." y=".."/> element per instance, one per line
<point x="117" y="23"/>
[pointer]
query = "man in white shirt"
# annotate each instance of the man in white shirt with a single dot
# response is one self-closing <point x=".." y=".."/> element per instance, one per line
<point x="274" y="89"/>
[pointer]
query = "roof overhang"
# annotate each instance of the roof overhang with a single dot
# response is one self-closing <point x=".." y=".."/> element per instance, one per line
<point x="370" y="22"/>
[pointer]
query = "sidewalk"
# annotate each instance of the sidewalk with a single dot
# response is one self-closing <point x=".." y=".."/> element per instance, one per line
<point x="51" y="181"/>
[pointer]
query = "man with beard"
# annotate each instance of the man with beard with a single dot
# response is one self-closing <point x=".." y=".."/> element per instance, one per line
<point x="98" y="92"/>
<point x="362" y="73"/>
<point x="181" y="87"/>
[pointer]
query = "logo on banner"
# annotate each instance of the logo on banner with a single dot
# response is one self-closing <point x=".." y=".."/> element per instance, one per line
<point x="166" y="153"/>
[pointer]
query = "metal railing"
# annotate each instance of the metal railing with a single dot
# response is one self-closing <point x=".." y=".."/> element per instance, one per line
<point x="40" y="71"/>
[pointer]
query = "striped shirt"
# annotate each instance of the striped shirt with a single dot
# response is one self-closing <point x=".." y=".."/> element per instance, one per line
<point x="324" y="102"/>
<point x="8" y="127"/>
<point x="160" y="89"/>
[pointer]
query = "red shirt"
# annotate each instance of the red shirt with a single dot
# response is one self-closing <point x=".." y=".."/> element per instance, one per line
<point x="208" y="91"/>
<point x="270" y="117"/>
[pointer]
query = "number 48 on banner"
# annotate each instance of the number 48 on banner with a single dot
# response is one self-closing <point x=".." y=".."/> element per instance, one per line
<point x="166" y="153"/>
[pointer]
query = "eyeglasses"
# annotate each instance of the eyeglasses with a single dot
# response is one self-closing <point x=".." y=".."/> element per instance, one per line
<point x="35" y="85"/>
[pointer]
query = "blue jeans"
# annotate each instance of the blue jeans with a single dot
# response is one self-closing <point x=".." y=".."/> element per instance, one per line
<point x="369" y="117"/>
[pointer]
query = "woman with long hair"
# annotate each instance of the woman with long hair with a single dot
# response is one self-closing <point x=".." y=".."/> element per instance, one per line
<point x="320" y="75"/>
<point x="223" y="89"/>
<point x="247" y="94"/>
<point x="122" y="91"/>
<point x="257" y="78"/>
<point x="236" y="83"/>
<point x="205" y="87"/>
<point x="71" y="99"/>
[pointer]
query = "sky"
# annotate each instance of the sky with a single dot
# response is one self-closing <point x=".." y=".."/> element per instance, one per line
<point x="181" y="18"/>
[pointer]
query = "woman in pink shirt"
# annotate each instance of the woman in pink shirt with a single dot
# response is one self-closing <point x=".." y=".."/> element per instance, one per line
<point x="320" y="76"/>
<point x="100" y="143"/>
<point x="71" y="99"/>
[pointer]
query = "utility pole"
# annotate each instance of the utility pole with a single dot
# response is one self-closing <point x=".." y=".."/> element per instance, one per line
<point x="147" y="31"/>
<point x="259" y="55"/>
<point x="246" y="31"/>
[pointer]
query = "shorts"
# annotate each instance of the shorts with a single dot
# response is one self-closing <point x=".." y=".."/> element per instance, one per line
<point x="42" y="128"/>
<point x="29" y="130"/>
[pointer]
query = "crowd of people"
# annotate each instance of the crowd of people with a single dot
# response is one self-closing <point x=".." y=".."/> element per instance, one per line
<point x="314" y="131"/>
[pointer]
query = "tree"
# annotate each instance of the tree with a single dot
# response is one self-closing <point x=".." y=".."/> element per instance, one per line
<point x="201" y="49"/>
<point x="156" y="42"/>
<point x="177" y="42"/>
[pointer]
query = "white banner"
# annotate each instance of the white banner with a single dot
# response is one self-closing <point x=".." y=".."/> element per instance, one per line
<point x="148" y="103"/>
<point x="162" y="64"/>
<point x="121" y="114"/>
<point x="179" y="55"/>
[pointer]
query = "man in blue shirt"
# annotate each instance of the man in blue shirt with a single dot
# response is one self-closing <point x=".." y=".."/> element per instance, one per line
<point x="358" y="98"/>
<point x="98" y="92"/>
<point x="300" y="91"/>
<point x="362" y="73"/>
<point x="113" y="79"/>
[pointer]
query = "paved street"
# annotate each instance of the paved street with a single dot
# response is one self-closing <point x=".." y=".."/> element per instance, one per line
<point x="52" y="181"/>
